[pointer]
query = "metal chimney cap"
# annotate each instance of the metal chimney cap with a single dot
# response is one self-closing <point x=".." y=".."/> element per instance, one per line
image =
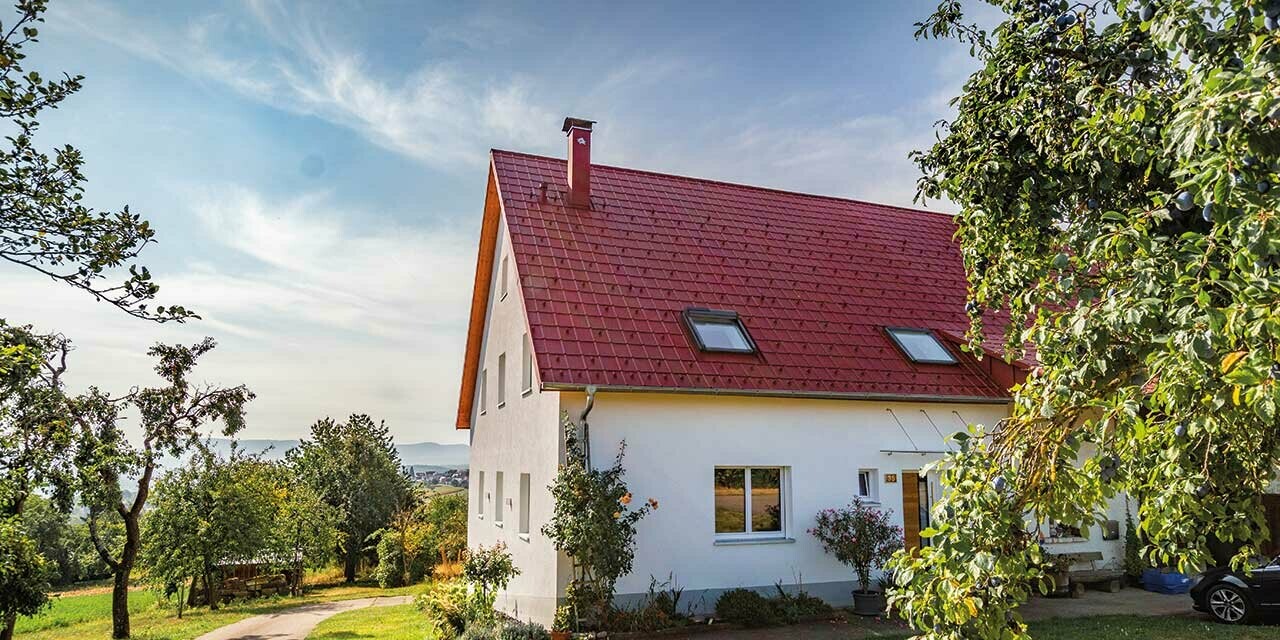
<point x="570" y="123"/>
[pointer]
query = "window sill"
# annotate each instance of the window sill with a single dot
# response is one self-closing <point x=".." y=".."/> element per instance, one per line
<point x="502" y="404"/>
<point x="497" y="523"/>
<point x="523" y="536"/>
<point x="733" y="542"/>
<point x="479" y="516"/>
<point x="503" y="297"/>
<point x="526" y="392"/>
<point x="1065" y="540"/>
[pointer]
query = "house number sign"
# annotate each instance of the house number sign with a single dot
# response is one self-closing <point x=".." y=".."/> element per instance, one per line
<point x="890" y="478"/>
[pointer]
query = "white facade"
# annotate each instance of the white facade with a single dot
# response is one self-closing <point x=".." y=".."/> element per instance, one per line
<point x="675" y="442"/>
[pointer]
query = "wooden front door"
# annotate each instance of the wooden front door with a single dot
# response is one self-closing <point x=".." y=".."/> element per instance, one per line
<point x="915" y="508"/>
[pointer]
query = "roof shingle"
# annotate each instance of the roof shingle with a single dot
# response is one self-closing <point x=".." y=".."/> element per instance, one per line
<point x="814" y="279"/>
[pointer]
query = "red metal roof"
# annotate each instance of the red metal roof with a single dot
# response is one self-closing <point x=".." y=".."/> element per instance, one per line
<point x="814" y="279"/>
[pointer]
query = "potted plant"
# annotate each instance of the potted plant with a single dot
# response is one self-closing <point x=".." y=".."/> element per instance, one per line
<point x="561" y="623"/>
<point x="860" y="536"/>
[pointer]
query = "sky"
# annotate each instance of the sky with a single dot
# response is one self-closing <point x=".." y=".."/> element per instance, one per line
<point x="316" y="171"/>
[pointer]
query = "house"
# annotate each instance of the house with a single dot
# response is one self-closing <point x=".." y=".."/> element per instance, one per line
<point x="764" y="355"/>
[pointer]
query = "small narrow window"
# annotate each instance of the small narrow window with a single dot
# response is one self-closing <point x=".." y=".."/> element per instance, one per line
<point x="503" y="277"/>
<point x="921" y="346"/>
<point x="524" y="503"/>
<point x="480" y="494"/>
<point x="749" y="501"/>
<point x="867" y="489"/>
<point x="718" y="331"/>
<point x="484" y="390"/>
<point x="526" y="366"/>
<point x="502" y="380"/>
<point x="497" y="498"/>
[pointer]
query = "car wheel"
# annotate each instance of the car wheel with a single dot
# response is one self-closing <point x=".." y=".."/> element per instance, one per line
<point x="1229" y="604"/>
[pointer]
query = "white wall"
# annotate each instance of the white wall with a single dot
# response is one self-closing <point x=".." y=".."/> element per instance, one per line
<point x="520" y="437"/>
<point x="674" y="442"/>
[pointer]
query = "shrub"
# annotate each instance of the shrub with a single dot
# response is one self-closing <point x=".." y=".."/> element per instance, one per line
<point x="480" y="630"/>
<point x="860" y="536"/>
<point x="523" y="631"/>
<point x="449" y="605"/>
<point x="747" y="608"/>
<point x="792" y="608"/>
<point x="659" y="610"/>
<point x="594" y="523"/>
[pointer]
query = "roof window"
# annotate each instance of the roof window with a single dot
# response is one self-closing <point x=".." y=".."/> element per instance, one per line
<point x="921" y="346"/>
<point x="718" y="331"/>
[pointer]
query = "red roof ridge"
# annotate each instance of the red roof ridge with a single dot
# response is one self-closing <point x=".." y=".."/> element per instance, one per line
<point x="736" y="185"/>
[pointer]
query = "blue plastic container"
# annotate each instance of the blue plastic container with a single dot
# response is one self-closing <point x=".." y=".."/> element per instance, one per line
<point x="1163" y="581"/>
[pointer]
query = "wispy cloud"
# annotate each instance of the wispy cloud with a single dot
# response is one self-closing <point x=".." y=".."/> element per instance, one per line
<point x="318" y="313"/>
<point x="436" y="114"/>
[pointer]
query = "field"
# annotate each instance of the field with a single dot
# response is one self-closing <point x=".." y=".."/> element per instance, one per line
<point x="398" y="622"/>
<point x="85" y="614"/>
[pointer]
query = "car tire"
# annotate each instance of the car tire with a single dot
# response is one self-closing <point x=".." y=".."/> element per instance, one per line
<point x="1229" y="604"/>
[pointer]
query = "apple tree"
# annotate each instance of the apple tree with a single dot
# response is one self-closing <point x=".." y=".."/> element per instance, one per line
<point x="1115" y="166"/>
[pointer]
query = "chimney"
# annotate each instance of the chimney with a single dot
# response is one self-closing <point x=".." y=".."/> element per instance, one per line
<point x="579" y="132"/>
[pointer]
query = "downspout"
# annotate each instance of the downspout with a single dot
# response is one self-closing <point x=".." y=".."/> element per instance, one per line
<point x="586" y="429"/>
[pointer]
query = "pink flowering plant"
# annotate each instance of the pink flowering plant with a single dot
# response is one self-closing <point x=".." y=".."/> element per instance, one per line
<point x="860" y="536"/>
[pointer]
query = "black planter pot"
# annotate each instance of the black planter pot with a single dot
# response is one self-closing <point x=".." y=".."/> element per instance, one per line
<point x="868" y="603"/>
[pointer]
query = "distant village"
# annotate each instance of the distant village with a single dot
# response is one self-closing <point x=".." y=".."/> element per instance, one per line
<point x="436" y="476"/>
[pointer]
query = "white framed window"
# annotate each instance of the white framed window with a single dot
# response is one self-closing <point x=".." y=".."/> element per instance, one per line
<point x="715" y="330"/>
<point x="868" y="487"/>
<point x="750" y="502"/>
<point x="502" y="380"/>
<point x="526" y="366"/>
<point x="503" y="278"/>
<point x="524" y="504"/>
<point x="921" y="346"/>
<point x="484" y="390"/>
<point x="497" y="498"/>
<point x="480" y="495"/>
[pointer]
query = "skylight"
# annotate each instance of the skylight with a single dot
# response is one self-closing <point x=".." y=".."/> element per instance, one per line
<point x="921" y="346"/>
<point x="718" y="331"/>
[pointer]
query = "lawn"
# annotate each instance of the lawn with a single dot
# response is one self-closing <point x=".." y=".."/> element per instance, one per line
<point x="88" y="616"/>
<point x="396" y="622"/>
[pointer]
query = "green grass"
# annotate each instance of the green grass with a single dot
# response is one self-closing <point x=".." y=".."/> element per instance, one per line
<point x="396" y="622"/>
<point x="88" y="617"/>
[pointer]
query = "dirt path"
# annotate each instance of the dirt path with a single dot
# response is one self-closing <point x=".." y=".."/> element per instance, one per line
<point x="296" y="623"/>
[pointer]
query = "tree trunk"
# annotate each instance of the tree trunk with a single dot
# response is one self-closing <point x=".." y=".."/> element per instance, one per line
<point x="120" y="602"/>
<point x="9" y="622"/>
<point x="349" y="568"/>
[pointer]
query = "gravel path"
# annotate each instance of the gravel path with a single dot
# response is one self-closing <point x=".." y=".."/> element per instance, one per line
<point x="296" y="623"/>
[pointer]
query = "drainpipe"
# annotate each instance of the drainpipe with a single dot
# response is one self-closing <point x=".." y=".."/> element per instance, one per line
<point x="586" y="430"/>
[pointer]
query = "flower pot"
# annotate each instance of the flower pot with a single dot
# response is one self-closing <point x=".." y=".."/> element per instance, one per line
<point x="560" y="635"/>
<point x="868" y="603"/>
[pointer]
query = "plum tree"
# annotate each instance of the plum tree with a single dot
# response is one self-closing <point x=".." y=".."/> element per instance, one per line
<point x="1165" y="386"/>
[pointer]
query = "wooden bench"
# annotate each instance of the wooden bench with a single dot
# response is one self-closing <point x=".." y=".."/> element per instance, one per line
<point x="1109" y="580"/>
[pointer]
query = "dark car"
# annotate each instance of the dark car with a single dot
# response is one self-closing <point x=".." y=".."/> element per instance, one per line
<point x="1236" y="597"/>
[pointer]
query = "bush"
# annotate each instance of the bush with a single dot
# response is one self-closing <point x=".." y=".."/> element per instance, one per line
<point x="481" y="630"/>
<point x="449" y="605"/>
<point x="792" y="608"/>
<point x="747" y="608"/>
<point x="860" y="536"/>
<point x="523" y="631"/>
<point x="490" y="569"/>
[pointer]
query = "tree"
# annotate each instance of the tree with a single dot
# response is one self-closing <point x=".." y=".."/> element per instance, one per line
<point x="43" y="223"/>
<point x="208" y="512"/>
<point x="446" y="515"/>
<point x="401" y="543"/>
<point x="35" y="437"/>
<point x="170" y="418"/>
<point x="306" y="527"/>
<point x="1115" y="177"/>
<point x="50" y="529"/>
<point x="355" y="468"/>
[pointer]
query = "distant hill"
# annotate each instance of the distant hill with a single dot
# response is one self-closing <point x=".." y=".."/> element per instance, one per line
<point x="418" y="454"/>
